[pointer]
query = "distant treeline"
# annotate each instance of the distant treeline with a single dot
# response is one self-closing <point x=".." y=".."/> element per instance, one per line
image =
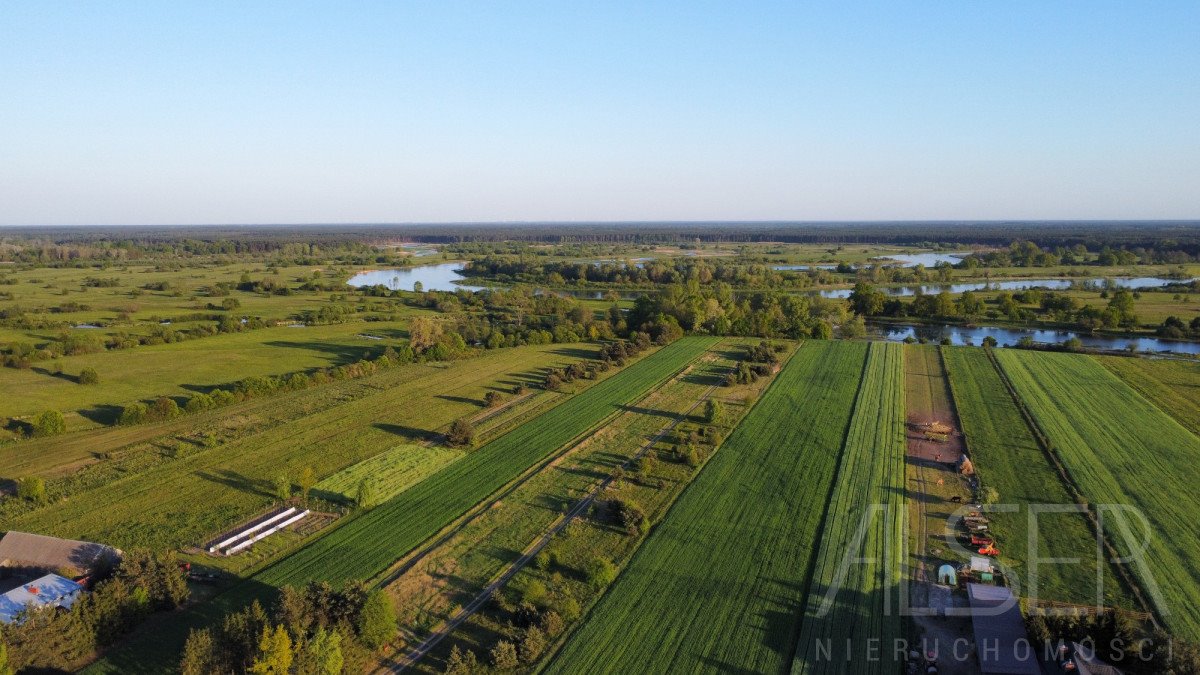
<point x="1177" y="235"/>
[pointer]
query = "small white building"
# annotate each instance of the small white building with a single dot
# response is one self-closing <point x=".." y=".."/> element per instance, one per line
<point x="48" y="591"/>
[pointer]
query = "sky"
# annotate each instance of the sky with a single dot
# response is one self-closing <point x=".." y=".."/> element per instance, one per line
<point x="444" y="111"/>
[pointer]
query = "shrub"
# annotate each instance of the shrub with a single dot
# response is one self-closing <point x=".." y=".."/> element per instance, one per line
<point x="134" y="413"/>
<point x="461" y="433"/>
<point x="49" y="423"/>
<point x="32" y="489"/>
<point x="600" y="572"/>
<point x="89" y="376"/>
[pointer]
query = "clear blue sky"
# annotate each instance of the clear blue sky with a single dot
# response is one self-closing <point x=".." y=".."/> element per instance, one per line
<point x="244" y="112"/>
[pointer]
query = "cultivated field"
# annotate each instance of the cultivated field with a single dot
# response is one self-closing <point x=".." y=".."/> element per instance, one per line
<point x="368" y="544"/>
<point x="1122" y="450"/>
<point x="1171" y="384"/>
<point x="1008" y="459"/>
<point x="171" y="498"/>
<point x="849" y="602"/>
<point x="719" y="584"/>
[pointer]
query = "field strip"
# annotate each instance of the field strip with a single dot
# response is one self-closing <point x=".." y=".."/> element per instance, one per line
<point x="367" y="544"/>
<point x="716" y="584"/>
<point x="408" y="562"/>
<point x="1010" y="458"/>
<point x="855" y="589"/>
<point x="440" y="632"/>
<point x="1087" y="416"/>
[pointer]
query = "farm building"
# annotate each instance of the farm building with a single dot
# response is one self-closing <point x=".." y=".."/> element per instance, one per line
<point x="25" y="553"/>
<point x="48" y="591"/>
<point x="1001" y="643"/>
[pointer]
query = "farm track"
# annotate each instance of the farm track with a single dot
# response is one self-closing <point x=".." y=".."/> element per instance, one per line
<point x="580" y="508"/>
<point x="1073" y="404"/>
<point x="717" y="584"/>
<point x="364" y="546"/>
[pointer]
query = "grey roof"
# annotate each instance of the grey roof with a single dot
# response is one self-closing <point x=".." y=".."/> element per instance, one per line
<point x="1001" y="641"/>
<point x="36" y="550"/>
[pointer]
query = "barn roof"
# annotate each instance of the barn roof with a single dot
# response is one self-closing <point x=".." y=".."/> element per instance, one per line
<point x="36" y="550"/>
<point x="1000" y="637"/>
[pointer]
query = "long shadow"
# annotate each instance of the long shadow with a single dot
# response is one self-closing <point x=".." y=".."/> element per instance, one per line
<point x="575" y="352"/>
<point x="104" y="413"/>
<point x="704" y="378"/>
<point x="339" y="354"/>
<point x="646" y="411"/>
<point x="60" y="375"/>
<point x="412" y="433"/>
<point x="237" y="481"/>
<point x="459" y="399"/>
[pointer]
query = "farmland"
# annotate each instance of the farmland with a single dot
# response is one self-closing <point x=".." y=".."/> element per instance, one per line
<point x="852" y="604"/>
<point x="367" y="544"/>
<point x="719" y="582"/>
<point x="459" y="569"/>
<point x="392" y="472"/>
<point x="1172" y="385"/>
<point x="1122" y="450"/>
<point x="180" y="497"/>
<point x="1008" y="459"/>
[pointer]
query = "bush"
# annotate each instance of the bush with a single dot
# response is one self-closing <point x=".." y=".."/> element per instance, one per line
<point x="32" y="489"/>
<point x="134" y="413"/>
<point x="49" y="423"/>
<point x="493" y="399"/>
<point x="600" y="572"/>
<point x="713" y="411"/>
<point x="89" y="376"/>
<point x="461" y="433"/>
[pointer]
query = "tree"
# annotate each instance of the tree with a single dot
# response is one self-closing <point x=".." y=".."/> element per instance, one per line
<point x="822" y="330"/>
<point x="164" y="408"/>
<point x="33" y="489"/>
<point x="49" y="423"/>
<point x="461" y="433"/>
<point x="274" y="652"/>
<point x="532" y="645"/>
<point x="989" y="341"/>
<point x="854" y="328"/>
<point x="377" y="620"/>
<point x="504" y="656"/>
<point x="198" y="654"/>
<point x="493" y="399"/>
<point x="461" y="662"/>
<point x="423" y="333"/>
<point x="89" y="376"/>
<point x="325" y="652"/>
<point x="713" y="411"/>
<point x="282" y="487"/>
<point x="306" y="481"/>
<point x="368" y="494"/>
<point x="865" y="299"/>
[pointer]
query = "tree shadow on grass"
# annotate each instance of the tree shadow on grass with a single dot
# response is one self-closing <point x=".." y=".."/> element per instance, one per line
<point x="105" y="413"/>
<point x="412" y="433"/>
<point x="59" y="375"/>
<point x="575" y="352"/>
<point x="339" y="354"/>
<point x="237" y="481"/>
<point x="646" y="411"/>
<point x="459" y="399"/>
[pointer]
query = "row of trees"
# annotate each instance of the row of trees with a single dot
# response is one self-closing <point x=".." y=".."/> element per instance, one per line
<point x="317" y="629"/>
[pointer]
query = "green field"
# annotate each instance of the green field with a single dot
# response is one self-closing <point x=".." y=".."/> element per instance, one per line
<point x="1171" y="384"/>
<point x="1121" y="449"/>
<point x="1008" y="458"/>
<point x="367" y="544"/>
<point x="854" y="602"/>
<point x="185" y="499"/>
<point x="718" y="585"/>
<point x="392" y="471"/>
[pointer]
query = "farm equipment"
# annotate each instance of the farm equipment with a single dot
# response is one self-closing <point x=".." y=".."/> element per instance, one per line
<point x="981" y="541"/>
<point x="989" y="550"/>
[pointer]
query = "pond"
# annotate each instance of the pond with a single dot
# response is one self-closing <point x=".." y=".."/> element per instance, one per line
<point x="440" y="277"/>
<point x="926" y="259"/>
<point x="974" y="335"/>
<point x="1011" y="285"/>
